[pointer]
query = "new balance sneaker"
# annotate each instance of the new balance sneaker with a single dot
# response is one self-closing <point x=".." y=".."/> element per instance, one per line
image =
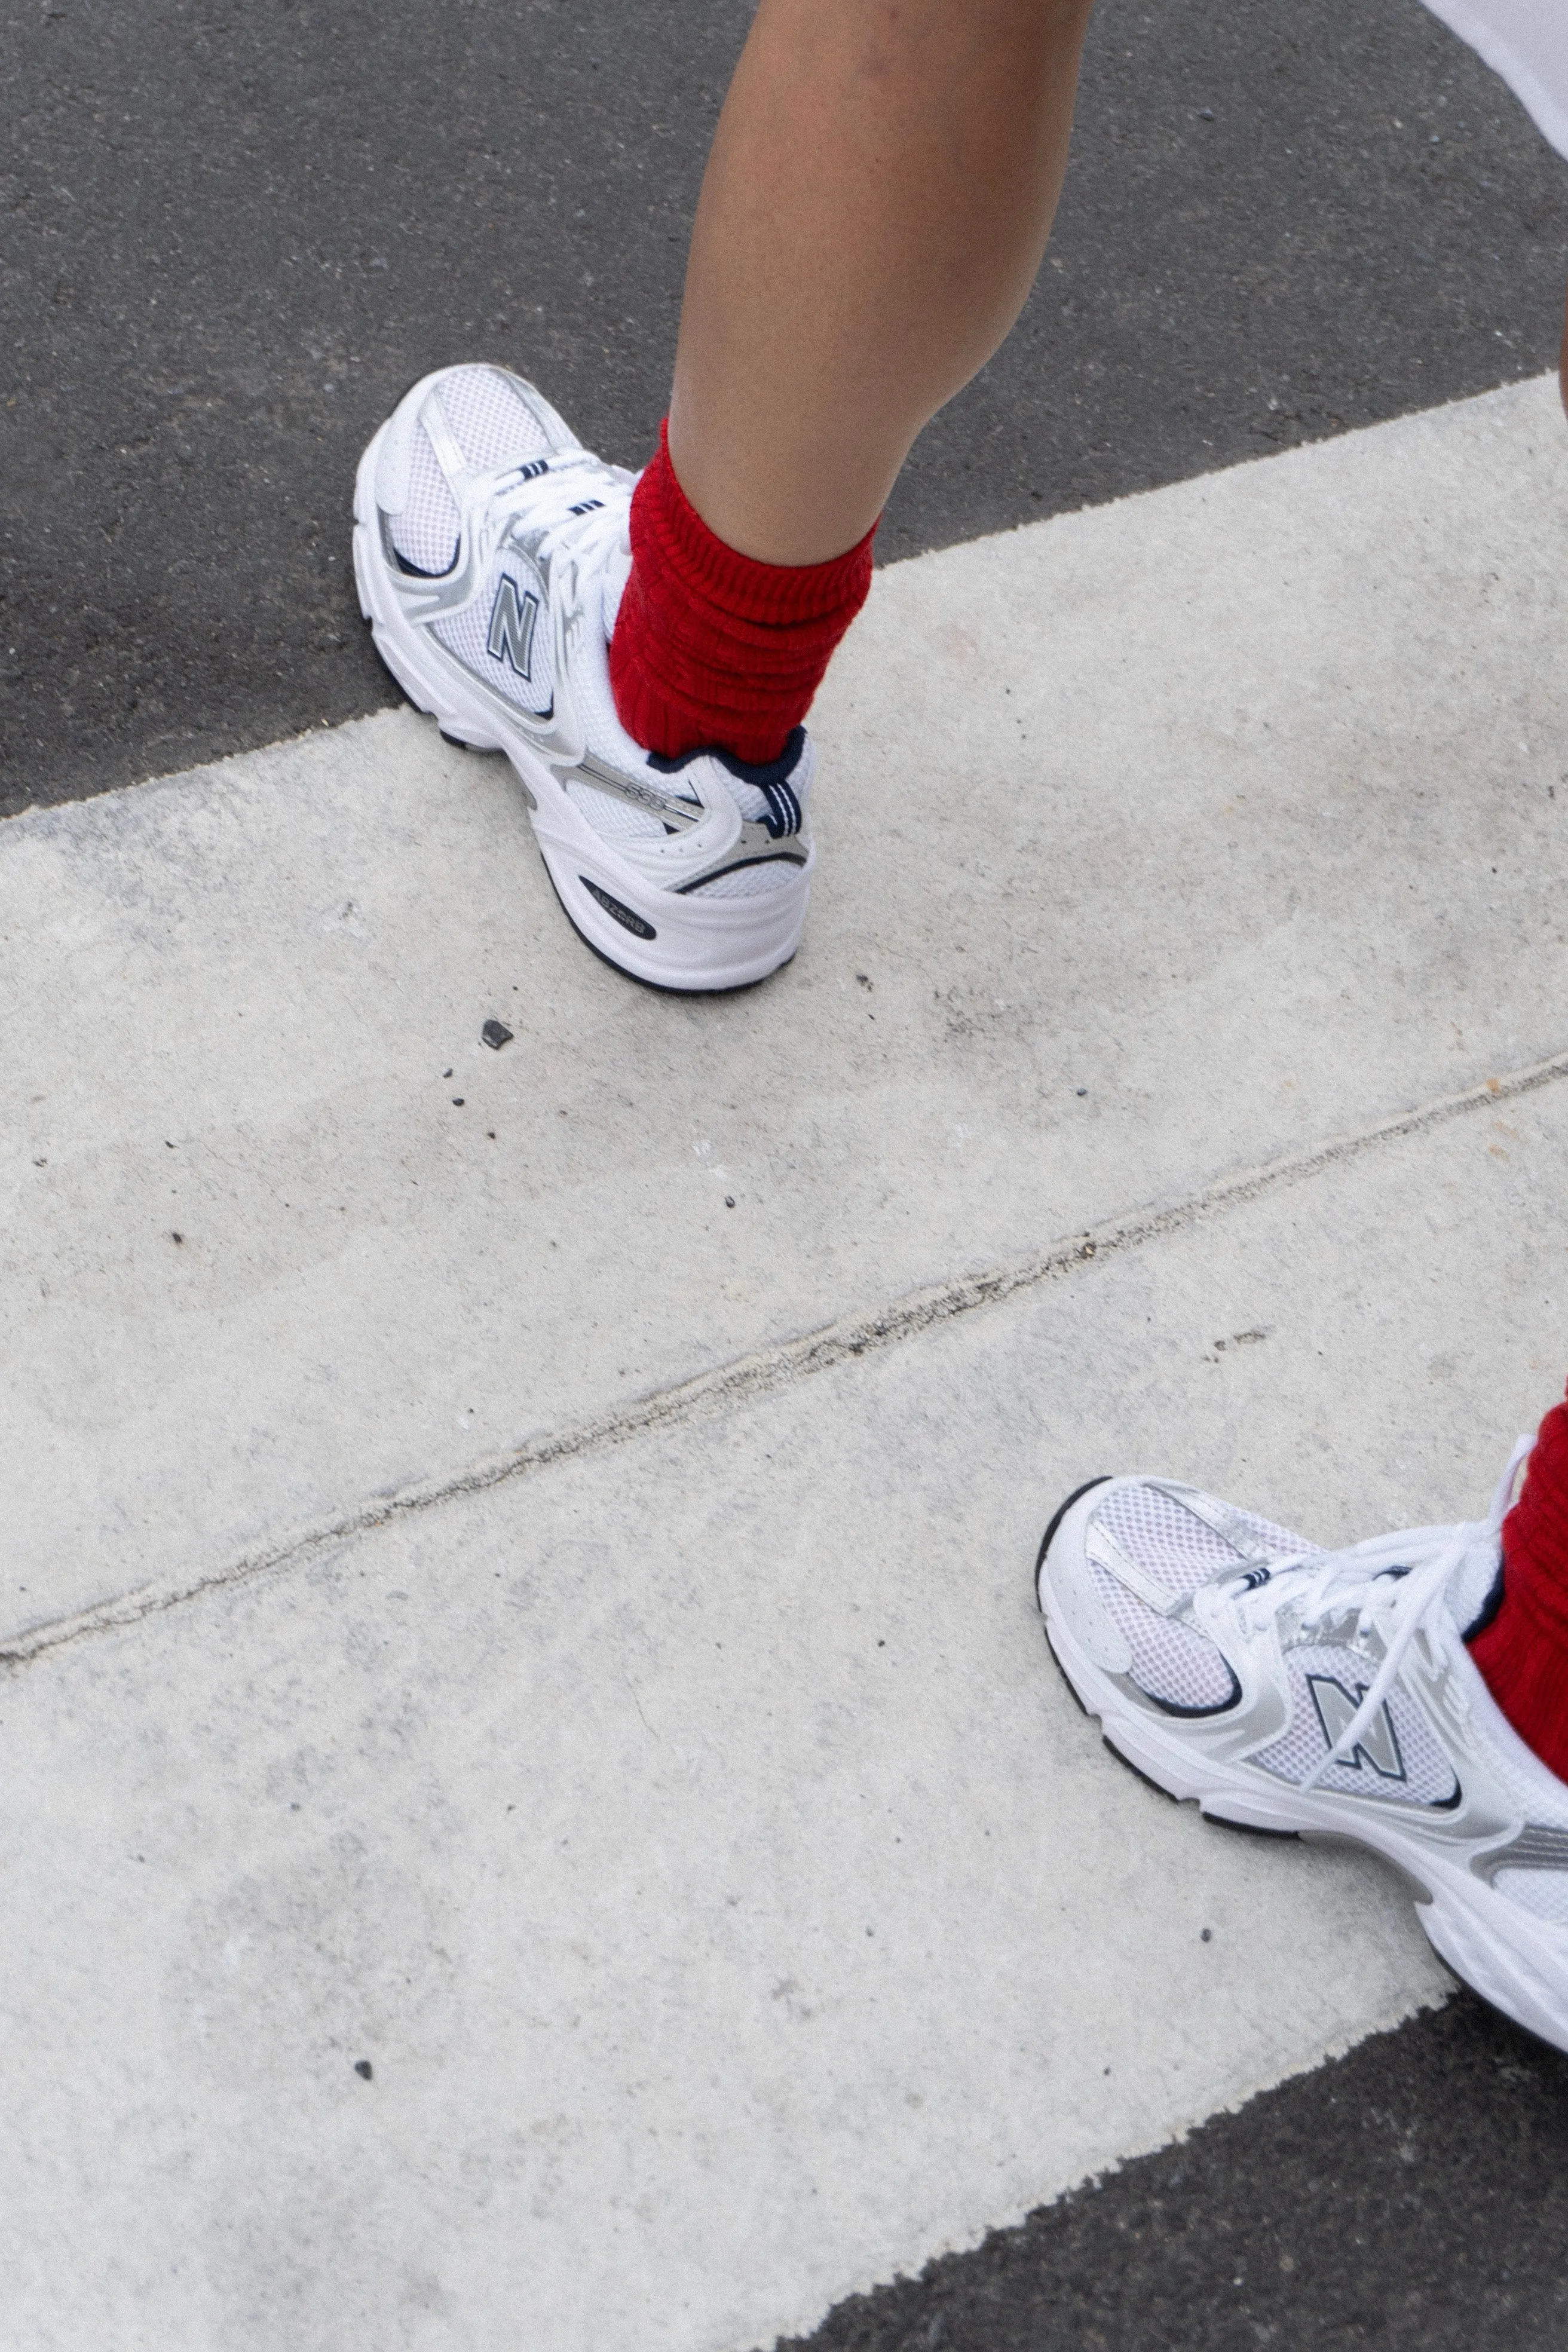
<point x="1327" y="1695"/>
<point x="490" y="550"/>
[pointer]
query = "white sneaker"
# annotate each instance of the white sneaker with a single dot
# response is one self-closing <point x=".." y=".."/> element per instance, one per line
<point x="490" y="550"/>
<point x="1327" y="1695"/>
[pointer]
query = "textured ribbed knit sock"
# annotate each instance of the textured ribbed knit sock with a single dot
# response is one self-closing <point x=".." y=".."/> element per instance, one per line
<point x="713" y="649"/>
<point x="1523" y="1653"/>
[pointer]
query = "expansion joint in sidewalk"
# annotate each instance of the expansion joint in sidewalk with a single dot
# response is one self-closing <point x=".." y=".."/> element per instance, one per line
<point x="768" y="1370"/>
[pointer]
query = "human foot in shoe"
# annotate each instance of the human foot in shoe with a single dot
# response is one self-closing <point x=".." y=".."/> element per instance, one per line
<point x="1323" y="1694"/>
<point x="490" y="550"/>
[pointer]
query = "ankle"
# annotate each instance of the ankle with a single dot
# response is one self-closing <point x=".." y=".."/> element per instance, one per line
<point x="713" y="647"/>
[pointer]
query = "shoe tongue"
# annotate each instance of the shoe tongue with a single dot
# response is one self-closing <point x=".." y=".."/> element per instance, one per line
<point x="1474" y="1583"/>
<point x="617" y="572"/>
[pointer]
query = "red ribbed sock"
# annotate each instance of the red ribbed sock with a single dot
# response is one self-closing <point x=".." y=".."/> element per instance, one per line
<point x="711" y="647"/>
<point x="1523" y="1653"/>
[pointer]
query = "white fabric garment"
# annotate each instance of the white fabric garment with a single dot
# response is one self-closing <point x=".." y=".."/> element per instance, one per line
<point x="1526" y="41"/>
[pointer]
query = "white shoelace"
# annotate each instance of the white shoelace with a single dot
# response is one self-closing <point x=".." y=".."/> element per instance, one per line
<point x="1398" y="1579"/>
<point x="580" y="504"/>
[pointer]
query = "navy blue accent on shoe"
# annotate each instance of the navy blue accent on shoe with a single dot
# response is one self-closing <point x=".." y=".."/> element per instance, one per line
<point x="1489" y="1608"/>
<point x="768" y="859"/>
<point x="413" y="569"/>
<point x="766" y="772"/>
<point x="1169" y="1706"/>
<point x="622" y="915"/>
<point x="783" y="810"/>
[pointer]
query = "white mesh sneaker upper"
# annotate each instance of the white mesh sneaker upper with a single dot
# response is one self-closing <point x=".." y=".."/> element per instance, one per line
<point x="1340" y="1623"/>
<point x="1178" y="1666"/>
<point x="1400" y="1758"/>
<point x="1325" y="1693"/>
<point x="745" y="882"/>
<point x="425" y="533"/>
<point x="1174" y="1662"/>
<point x="617" y="820"/>
<point x="509" y="646"/>
<point x="488" y="418"/>
<point x="1164" y="1536"/>
<point x="492" y="424"/>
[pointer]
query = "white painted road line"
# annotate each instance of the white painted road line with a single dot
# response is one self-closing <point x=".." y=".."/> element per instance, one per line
<point x="1159" y="840"/>
<point x="694" y="1841"/>
<point x="691" y="1837"/>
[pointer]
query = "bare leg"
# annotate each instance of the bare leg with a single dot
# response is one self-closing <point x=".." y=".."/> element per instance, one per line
<point x="876" y="207"/>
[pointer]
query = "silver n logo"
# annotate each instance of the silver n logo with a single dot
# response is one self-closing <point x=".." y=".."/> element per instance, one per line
<point x="513" y="617"/>
<point x="1377" y="1745"/>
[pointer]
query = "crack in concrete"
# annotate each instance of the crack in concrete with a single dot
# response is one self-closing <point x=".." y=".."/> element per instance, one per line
<point x="831" y="1344"/>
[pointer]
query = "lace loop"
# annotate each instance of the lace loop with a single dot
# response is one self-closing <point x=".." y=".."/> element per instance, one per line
<point x="1403" y="1579"/>
<point x="576" y="501"/>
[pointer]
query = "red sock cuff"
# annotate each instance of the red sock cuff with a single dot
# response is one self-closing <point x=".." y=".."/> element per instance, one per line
<point x="711" y="646"/>
<point x="1523" y="1653"/>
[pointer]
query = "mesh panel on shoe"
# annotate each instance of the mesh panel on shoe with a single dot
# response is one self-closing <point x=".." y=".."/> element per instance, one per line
<point x="1539" y="1795"/>
<point x="616" y="819"/>
<point x="467" y="635"/>
<point x="426" y="532"/>
<point x="489" y="420"/>
<point x="1542" y="1892"/>
<point x="1171" y="1662"/>
<point x="1281" y="1541"/>
<point x="752" y="803"/>
<point x="1165" y="1538"/>
<point x="1428" y="1776"/>
<point x="493" y="425"/>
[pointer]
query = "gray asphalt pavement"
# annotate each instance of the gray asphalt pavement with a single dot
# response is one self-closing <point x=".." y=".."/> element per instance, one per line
<point x="233" y="237"/>
<point x="1412" y="2195"/>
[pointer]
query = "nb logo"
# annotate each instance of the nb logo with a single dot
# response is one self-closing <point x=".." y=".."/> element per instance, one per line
<point x="1377" y="1745"/>
<point x="514" y="615"/>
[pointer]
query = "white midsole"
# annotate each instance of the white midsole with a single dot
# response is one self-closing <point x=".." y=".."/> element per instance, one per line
<point x="1517" y="1962"/>
<point x="700" y="943"/>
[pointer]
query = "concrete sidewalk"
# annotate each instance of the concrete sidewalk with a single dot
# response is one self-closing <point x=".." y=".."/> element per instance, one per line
<point x="484" y="1605"/>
